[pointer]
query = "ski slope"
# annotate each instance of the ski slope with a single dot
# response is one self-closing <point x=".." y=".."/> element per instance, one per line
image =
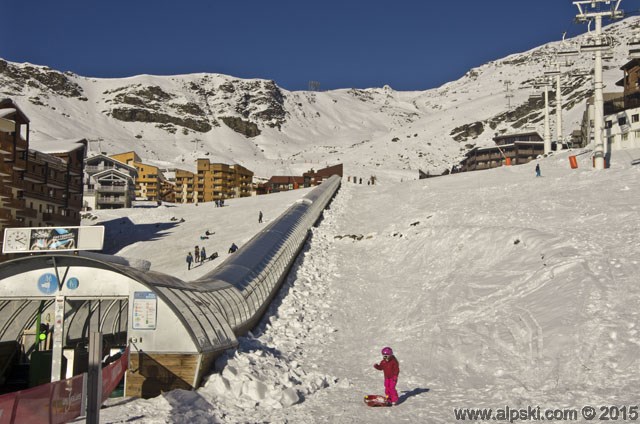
<point x="494" y="288"/>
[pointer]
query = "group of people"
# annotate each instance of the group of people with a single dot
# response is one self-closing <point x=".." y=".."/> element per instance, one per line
<point x="199" y="255"/>
<point x="356" y="180"/>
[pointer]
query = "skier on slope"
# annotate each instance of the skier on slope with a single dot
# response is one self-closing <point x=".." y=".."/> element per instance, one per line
<point x="391" y="368"/>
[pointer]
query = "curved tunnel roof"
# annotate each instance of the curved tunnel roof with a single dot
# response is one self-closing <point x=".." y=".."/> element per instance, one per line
<point x="188" y="301"/>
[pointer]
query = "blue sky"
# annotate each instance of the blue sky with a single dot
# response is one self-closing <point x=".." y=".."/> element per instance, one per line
<point x="407" y="44"/>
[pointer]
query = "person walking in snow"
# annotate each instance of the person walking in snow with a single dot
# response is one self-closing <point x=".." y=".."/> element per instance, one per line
<point x="233" y="248"/>
<point x="189" y="260"/>
<point x="391" y="368"/>
<point x="538" y="170"/>
<point x="260" y="217"/>
<point x="196" y="253"/>
<point x="203" y="255"/>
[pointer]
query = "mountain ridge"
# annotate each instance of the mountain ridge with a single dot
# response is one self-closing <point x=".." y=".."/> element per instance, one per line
<point x="171" y="120"/>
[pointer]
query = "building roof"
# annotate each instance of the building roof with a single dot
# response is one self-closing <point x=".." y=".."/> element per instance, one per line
<point x="47" y="157"/>
<point x="325" y="172"/>
<point x="502" y="146"/>
<point x="282" y="179"/>
<point x="15" y="110"/>
<point x="100" y="174"/>
<point x="58" y="146"/>
<point x="517" y="134"/>
<point x="136" y="158"/>
<point x="630" y="64"/>
<point x="99" y="157"/>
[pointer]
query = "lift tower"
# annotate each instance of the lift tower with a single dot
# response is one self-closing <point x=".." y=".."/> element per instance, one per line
<point x="591" y="10"/>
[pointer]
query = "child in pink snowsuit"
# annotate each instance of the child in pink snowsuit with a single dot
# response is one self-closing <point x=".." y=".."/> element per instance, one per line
<point x="391" y="368"/>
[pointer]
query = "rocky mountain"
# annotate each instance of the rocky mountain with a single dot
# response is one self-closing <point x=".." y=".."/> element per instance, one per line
<point x="172" y="120"/>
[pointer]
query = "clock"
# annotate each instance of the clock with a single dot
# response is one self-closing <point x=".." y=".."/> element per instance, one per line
<point x="16" y="240"/>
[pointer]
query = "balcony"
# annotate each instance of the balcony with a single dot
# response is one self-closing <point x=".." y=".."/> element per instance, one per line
<point x="19" y="164"/>
<point x="26" y="213"/>
<point x="45" y="197"/>
<point x="56" y="182"/>
<point x="14" y="204"/>
<point x="22" y="145"/>
<point x="56" y="219"/>
<point x="112" y="200"/>
<point x="111" y="189"/>
<point x="75" y="170"/>
<point x="6" y="147"/>
<point x="5" y="215"/>
<point x="33" y="177"/>
<point x="5" y="192"/>
<point x="6" y="170"/>
<point x="93" y="169"/>
<point x="75" y="188"/>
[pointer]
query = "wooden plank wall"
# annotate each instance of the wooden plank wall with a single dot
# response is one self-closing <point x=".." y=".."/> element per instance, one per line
<point x="151" y="374"/>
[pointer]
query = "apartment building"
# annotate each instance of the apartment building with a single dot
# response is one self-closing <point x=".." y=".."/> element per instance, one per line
<point x="150" y="183"/>
<point x="40" y="186"/>
<point x="314" y="178"/>
<point x="184" y="186"/>
<point x="109" y="183"/>
<point x="279" y="183"/>
<point x="218" y="181"/>
<point x="510" y="149"/>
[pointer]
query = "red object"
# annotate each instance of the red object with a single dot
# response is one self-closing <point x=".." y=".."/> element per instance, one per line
<point x="390" y="367"/>
<point x="508" y="161"/>
<point x="391" y="370"/>
<point x="573" y="161"/>
<point x="376" y="400"/>
<point x="58" y="402"/>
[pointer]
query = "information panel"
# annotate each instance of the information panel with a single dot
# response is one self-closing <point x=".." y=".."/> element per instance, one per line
<point x="52" y="239"/>
<point x="145" y="309"/>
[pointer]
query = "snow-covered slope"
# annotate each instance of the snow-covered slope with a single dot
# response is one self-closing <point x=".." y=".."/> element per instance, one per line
<point x="172" y="120"/>
<point x="494" y="288"/>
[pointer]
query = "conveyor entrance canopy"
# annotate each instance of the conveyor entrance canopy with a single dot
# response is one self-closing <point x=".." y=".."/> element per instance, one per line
<point x="165" y="314"/>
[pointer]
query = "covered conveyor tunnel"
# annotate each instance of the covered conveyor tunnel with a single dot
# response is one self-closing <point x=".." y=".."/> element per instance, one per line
<point x="176" y="328"/>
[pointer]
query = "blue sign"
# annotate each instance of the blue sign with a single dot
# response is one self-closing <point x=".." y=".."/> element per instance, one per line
<point x="48" y="283"/>
<point x="73" y="283"/>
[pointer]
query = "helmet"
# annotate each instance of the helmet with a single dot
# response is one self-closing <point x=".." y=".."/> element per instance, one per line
<point x="387" y="351"/>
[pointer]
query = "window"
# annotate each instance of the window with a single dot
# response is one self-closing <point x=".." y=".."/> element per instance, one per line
<point x="608" y="124"/>
<point x="625" y="136"/>
<point x="635" y="117"/>
<point x="622" y="120"/>
<point x="636" y="134"/>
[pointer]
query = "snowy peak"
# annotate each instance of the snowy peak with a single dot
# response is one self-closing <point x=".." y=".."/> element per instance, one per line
<point x="173" y="120"/>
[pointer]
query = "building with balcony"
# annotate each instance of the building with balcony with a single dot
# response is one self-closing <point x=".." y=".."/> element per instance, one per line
<point x="311" y="178"/>
<point x="219" y="181"/>
<point x="40" y="182"/>
<point x="314" y="178"/>
<point x="621" y="112"/>
<point x="516" y="149"/>
<point x="53" y="181"/>
<point x="279" y="183"/>
<point x="150" y="182"/>
<point x="109" y="183"/>
<point x="184" y="186"/>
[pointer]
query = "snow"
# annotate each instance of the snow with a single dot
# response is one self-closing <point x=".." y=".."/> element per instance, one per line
<point x="493" y="287"/>
<point x="56" y="146"/>
<point x="378" y="131"/>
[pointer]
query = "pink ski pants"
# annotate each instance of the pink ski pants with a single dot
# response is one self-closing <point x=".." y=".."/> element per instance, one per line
<point x="390" y="389"/>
